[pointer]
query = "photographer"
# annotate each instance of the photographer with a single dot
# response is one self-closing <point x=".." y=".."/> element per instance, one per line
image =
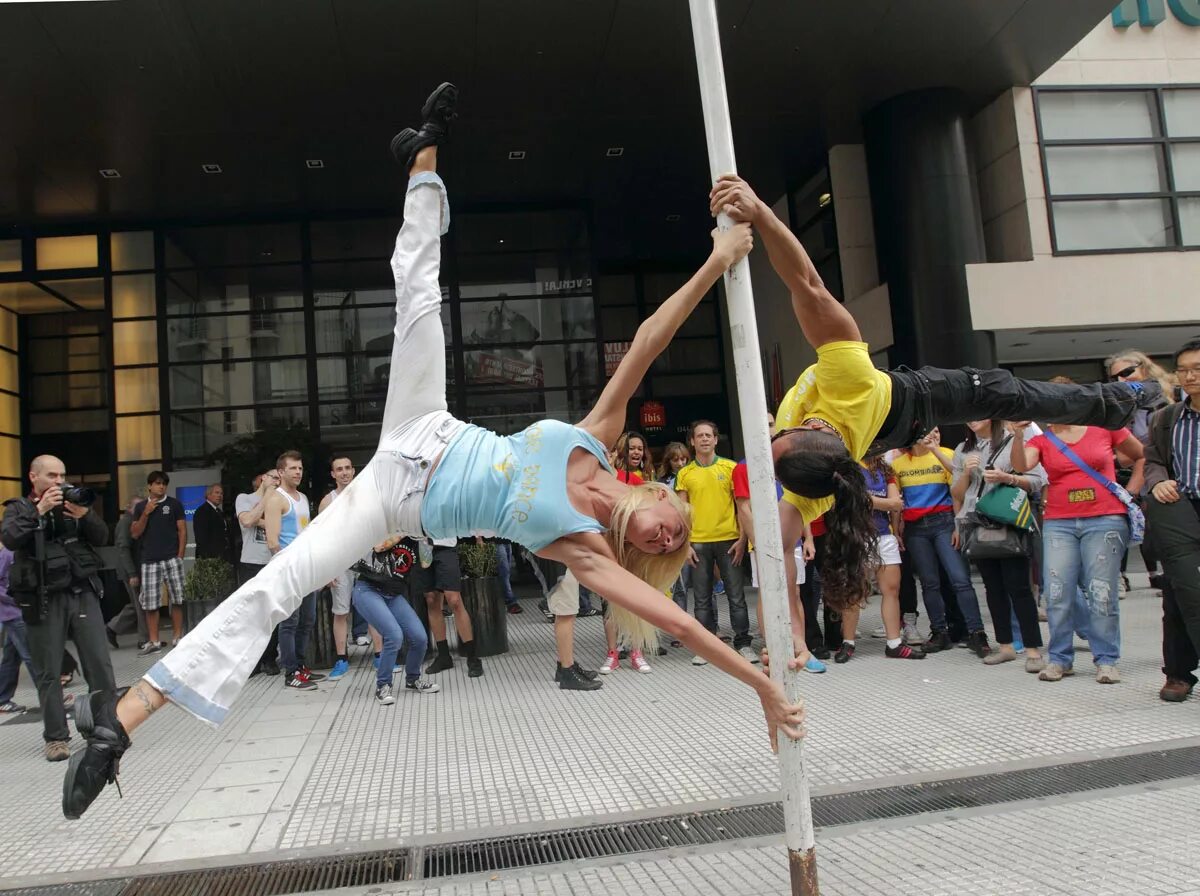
<point x="53" y="534"/>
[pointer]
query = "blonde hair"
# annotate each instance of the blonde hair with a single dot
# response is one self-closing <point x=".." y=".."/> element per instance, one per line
<point x="657" y="570"/>
<point x="673" y="449"/>
<point x="1153" y="371"/>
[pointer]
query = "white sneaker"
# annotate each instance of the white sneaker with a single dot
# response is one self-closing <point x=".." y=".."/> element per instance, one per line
<point x="880" y="634"/>
<point x="383" y="695"/>
<point x="911" y="634"/>
<point x="698" y="660"/>
<point x="748" y="654"/>
<point x="1107" y="674"/>
<point x="639" y="662"/>
<point x="151" y="647"/>
<point x="363" y="641"/>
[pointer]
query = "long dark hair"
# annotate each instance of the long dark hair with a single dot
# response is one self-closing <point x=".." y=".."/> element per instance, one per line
<point x="817" y="465"/>
<point x="971" y="442"/>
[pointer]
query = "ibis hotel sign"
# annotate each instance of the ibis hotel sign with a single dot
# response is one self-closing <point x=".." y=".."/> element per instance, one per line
<point x="1149" y="13"/>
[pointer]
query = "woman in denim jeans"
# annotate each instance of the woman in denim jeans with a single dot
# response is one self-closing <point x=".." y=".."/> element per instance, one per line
<point x="1084" y="537"/>
<point x="930" y="536"/>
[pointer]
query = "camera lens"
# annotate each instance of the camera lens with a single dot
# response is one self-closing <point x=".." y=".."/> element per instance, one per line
<point x="78" y="495"/>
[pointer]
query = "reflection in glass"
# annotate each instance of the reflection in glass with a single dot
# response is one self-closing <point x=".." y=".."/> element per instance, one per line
<point x="10" y="256"/>
<point x="1185" y="160"/>
<point x="510" y="412"/>
<point x="1075" y="170"/>
<point x="135" y="342"/>
<point x="352" y="424"/>
<point x="242" y="383"/>
<point x="132" y="251"/>
<point x="525" y="274"/>
<point x="521" y="231"/>
<point x="196" y="434"/>
<point x="214" y="246"/>
<point x="235" y="289"/>
<point x="1113" y="224"/>
<point x="363" y="238"/>
<point x="527" y="321"/>
<point x="1097" y="115"/>
<point x="133" y="296"/>
<point x="1189" y="220"/>
<point x="56" y="253"/>
<point x="544" y="366"/>
<point x="1182" y="109"/>
<point x="262" y="334"/>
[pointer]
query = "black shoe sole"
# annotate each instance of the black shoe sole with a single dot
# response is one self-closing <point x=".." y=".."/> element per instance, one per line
<point x="69" y="786"/>
<point x="445" y="90"/>
<point x="580" y="686"/>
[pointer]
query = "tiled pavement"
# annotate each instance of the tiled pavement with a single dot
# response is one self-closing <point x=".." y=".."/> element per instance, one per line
<point x="293" y="773"/>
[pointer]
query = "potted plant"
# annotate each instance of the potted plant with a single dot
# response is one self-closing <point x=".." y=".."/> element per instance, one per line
<point x="207" y="583"/>
<point x="483" y="596"/>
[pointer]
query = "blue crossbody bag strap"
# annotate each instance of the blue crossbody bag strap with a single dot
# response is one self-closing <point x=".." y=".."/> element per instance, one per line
<point x="1137" y="519"/>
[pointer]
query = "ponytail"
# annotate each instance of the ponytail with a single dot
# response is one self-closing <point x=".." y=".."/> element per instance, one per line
<point x="850" y="547"/>
<point x="815" y="464"/>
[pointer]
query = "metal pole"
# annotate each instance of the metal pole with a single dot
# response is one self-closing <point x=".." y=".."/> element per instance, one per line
<point x="768" y="547"/>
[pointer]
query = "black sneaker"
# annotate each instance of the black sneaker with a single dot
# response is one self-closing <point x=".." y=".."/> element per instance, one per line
<point x="570" y="680"/>
<point x="515" y="609"/>
<point x="904" y="652"/>
<point x="99" y="763"/>
<point x="821" y="653"/>
<point x="938" y="641"/>
<point x="978" y="642"/>
<point x="588" y="674"/>
<point x="441" y="663"/>
<point x="311" y="675"/>
<point x="437" y="113"/>
<point x="474" y="667"/>
<point x="844" y="653"/>
<point x="269" y="668"/>
<point x="298" y="681"/>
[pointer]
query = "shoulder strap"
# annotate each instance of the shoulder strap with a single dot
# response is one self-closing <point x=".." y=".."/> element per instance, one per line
<point x="1069" y="454"/>
<point x="990" y="461"/>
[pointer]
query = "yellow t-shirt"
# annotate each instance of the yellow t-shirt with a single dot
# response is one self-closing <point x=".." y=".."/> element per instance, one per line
<point x="710" y="492"/>
<point x="845" y="390"/>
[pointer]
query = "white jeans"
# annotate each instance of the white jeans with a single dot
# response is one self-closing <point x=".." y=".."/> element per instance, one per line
<point x="209" y="667"/>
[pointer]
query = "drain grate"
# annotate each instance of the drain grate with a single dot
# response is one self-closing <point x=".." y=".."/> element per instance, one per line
<point x="609" y="840"/>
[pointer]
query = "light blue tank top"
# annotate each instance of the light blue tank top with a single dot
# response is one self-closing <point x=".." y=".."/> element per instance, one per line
<point x="514" y="487"/>
<point x="293" y="522"/>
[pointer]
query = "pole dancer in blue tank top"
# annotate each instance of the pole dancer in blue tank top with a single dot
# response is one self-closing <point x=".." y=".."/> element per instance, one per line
<point x="549" y="488"/>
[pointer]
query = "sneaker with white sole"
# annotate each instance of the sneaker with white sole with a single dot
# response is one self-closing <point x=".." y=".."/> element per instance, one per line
<point x="363" y="641"/>
<point x="1055" y="672"/>
<point x="910" y="633"/>
<point x="698" y="660"/>
<point x="1107" y="674"/>
<point x="340" y="668"/>
<point x="879" y="634"/>
<point x="298" y="681"/>
<point x="422" y="685"/>
<point x="749" y="654"/>
<point x="151" y="648"/>
<point x="383" y="695"/>
<point x="639" y="662"/>
<point x="611" y="663"/>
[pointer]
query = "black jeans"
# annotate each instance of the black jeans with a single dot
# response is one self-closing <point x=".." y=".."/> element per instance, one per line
<point x="77" y="616"/>
<point x="810" y="598"/>
<point x="1175" y="529"/>
<point x="702" y="582"/>
<point x="1006" y="585"/>
<point x="934" y="396"/>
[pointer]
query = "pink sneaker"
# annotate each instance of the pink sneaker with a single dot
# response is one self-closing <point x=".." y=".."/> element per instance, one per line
<point x="639" y="662"/>
<point x="610" y="664"/>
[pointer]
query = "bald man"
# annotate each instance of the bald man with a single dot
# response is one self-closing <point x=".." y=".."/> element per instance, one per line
<point x="58" y="594"/>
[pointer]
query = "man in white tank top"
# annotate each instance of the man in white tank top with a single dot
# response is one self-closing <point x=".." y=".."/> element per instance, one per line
<point x="341" y="471"/>
<point x="286" y="516"/>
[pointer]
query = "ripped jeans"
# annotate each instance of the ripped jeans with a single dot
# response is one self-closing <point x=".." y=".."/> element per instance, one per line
<point x="1084" y="553"/>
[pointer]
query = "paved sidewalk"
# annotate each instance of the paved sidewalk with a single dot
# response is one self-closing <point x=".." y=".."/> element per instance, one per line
<point x="293" y="773"/>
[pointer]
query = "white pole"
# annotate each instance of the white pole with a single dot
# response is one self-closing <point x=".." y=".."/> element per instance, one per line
<point x="768" y="545"/>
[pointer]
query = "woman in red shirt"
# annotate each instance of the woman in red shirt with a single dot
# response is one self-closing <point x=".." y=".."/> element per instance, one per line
<point x="1085" y="534"/>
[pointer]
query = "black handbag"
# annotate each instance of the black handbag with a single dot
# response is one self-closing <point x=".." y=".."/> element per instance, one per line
<point x="986" y="539"/>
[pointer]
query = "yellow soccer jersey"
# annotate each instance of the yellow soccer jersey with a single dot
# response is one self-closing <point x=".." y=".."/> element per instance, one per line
<point x="710" y="492"/>
<point x="844" y="390"/>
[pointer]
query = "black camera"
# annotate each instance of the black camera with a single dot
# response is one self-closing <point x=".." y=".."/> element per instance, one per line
<point x="78" y="495"/>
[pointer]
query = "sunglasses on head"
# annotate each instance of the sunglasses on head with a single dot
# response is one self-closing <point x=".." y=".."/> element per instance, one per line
<point x="1127" y="372"/>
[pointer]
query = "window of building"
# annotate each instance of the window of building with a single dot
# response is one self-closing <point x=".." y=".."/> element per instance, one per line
<point x="1122" y="168"/>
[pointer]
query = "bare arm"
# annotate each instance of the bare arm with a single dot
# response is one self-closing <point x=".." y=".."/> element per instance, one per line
<point x="139" y="523"/>
<point x="1024" y="458"/>
<point x="1132" y="449"/>
<point x="325" y="502"/>
<point x="893" y="503"/>
<point x="251" y="518"/>
<point x="745" y="518"/>
<point x="273" y="521"/>
<point x="607" y="419"/>
<point x="589" y="558"/>
<point x="822" y="317"/>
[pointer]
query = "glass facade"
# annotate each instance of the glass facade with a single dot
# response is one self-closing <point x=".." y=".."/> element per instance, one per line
<point x="156" y="347"/>
<point x="1122" y="167"/>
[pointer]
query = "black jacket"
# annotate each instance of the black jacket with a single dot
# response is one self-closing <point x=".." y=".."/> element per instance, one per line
<point x="211" y="529"/>
<point x="20" y="525"/>
<point x="1158" y="449"/>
